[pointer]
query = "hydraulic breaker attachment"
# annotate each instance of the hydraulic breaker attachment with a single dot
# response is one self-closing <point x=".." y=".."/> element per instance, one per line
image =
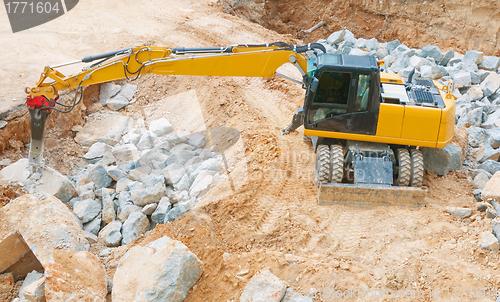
<point x="39" y="108"/>
<point x="297" y="121"/>
<point x="369" y="195"/>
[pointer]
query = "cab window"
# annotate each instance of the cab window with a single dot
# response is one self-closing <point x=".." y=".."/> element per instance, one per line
<point x="363" y="91"/>
<point x="332" y="95"/>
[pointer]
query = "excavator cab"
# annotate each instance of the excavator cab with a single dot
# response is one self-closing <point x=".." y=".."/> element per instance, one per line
<point x="344" y="95"/>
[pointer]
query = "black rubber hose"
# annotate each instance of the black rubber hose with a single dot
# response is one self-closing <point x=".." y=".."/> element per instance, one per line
<point x="311" y="46"/>
<point x="410" y="76"/>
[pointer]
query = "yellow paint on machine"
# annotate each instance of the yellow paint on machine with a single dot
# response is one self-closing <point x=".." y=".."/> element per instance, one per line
<point x="406" y="125"/>
<point x="421" y="123"/>
<point x="390" y="120"/>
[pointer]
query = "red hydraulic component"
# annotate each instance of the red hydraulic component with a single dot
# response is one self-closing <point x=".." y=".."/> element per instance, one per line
<point x="40" y="102"/>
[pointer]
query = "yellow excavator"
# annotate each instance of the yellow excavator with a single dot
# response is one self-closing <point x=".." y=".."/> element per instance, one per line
<point x="366" y="126"/>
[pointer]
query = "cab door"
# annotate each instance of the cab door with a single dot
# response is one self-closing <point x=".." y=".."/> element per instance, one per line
<point x="364" y="108"/>
<point x="343" y="102"/>
<point x="328" y="106"/>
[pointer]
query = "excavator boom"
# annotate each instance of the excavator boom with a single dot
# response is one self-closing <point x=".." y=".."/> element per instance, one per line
<point x="239" y="60"/>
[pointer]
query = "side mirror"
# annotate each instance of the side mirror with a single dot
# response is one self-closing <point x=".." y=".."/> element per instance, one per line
<point x="314" y="85"/>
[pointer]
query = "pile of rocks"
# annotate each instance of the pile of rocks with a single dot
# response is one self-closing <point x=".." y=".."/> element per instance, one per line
<point x="136" y="178"/>
<point x="151" y="176"/>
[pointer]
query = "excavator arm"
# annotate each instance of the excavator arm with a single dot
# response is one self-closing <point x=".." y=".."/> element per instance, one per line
<point x="240" y="60"/>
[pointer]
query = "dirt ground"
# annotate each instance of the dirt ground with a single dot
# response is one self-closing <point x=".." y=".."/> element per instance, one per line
<point x="266" y="214"/>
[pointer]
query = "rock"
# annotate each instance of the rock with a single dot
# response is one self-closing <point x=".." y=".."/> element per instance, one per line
<point x="336" y="37"/>
<point x="292" y="296"/>
<point x="430" y="72"/>
<point x="99" y="176"/>
<point x="161" y="127"/>
<point x="111" y="234"/>
<point x="128" y="90"/>
<point x="97" y="150"/>
<point x="489" y="241"/>
<point x="115" y="173"/>
<point x="152" y="180"/>
<point x="107" y="91"/>
<point x="490" y="63"/>
<point x="474" y="117"/>
<point x="143" y="197"/>
<point x="442" y="161"/>
<point x="491" y="84"/>
<point x="478" y="194"/>
<point x="486" y="152"/>
<point x="147" y="141"/>
<point x="177" y="211"/>
<point x="75" y="277"/>
<point x="474" y="94"/>
<point x="176" y="138"/>
<point x="197" y="140"/>
<point x="177" y="196"/>
<point x="447" y="57"/>
<point x="264" y="287"/>
<point x="126" y="210"/>
<point x="108" y="207"/>
<point x="477" y="136"/>
<point x="161" y="210"/>
<point x="495" y="227"/>
<point x="87" y="209"/>
<point x="103" y="127"/>
<point x="46" y="225"/>
<point x="473" y="56"/>
<point x="490" y="166"/>
<point x="201" y="183"/>
<point x="358" y="52"/>
<point x="125" y="153"/>
<point x="392" y="45"/>
<point x="401" y="63"/>
<point x="30" y="278"/>
<point x="462" y="79"/>
<point x="381" y="53"/>
<point x="493" y="121"/>
<point x="117" y="102"/>
<point x="480" y="180"/>
<point x="35" y="292"/>
<point x="492" y="188"/>
<point x="491" y="213"/>
<point x="149" y="209"/>
<point x="483" y="207"/>
<point x="183" y="184"/>
<point x="91" y="238"/>
<point x="131" y="138"/>
<point x="136" y="224"/>
<point x="93" y="226"/>
<point x="173" y="173"/>
<point x="433" y="52"/>
<point x="46" y="180"/>
<point x="163" y="270"/>
<point x="122" y="184"/>
<point x="459" y="212"/>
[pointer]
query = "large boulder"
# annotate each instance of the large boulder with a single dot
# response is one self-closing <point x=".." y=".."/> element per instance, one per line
<point x="163" y="270"/>
<point x="103" y="127"/>
<point x="46" y="225"/>
<point x="441" y="161"/>
<point x="264" y="287"/>
<point x="75" y="277"/>
<point x="43" y="179"/>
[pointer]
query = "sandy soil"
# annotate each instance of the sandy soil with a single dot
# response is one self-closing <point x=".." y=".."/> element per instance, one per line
<point x="266" y="214"/>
